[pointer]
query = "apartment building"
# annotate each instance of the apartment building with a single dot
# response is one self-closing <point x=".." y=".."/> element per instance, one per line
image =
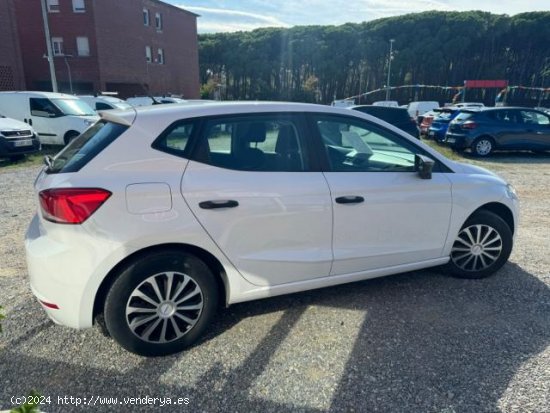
<point x="11" y="66"/>
<point x="132" y="47"/>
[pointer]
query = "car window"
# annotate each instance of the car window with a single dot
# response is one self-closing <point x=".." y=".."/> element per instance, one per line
<point x="43" y="108"/>
<point x="253" y="143"/>
<point x="507" y="116"/>
<point x="102" y="106"/>
<point x="354" y="145"/>
<point x="534" y="118"/>
<point x="175" y="139"/>
<point x="85" y="147"/>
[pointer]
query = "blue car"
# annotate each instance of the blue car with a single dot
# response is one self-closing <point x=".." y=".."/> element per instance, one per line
<point x="440" y="124"/>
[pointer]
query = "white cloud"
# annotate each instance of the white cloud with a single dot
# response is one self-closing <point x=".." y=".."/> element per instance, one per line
<point x="228" y="20"/>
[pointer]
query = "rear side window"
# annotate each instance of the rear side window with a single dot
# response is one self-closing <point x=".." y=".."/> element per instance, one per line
<point x="176" y="138"/>
<point x="267" y="143"/>
<point x="86" y="147"/>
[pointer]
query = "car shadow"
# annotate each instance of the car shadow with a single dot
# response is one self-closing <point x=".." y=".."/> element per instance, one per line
<point x="427" y="342"/>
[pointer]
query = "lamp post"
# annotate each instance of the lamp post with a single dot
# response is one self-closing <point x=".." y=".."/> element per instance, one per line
<point x="49" y="45"/>
<point x="389" y="69"/>
<point x="65" y="56"/>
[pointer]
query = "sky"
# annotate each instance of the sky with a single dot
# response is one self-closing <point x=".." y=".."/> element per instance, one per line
<point x="230" y="16"/>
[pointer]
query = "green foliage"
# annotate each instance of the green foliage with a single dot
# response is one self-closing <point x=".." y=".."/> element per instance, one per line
<point x="1" y="317"/>
<point x="29" y="407"/>
<point x="435" y="48"/>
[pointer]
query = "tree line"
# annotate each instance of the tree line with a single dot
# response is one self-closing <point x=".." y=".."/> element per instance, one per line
<point x="321" y="63"/>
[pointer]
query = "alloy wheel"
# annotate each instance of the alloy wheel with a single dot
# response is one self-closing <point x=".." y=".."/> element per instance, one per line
<point x="483" y="147"/>
<point x="164" y="307"/>
<point x="476" y="248"/>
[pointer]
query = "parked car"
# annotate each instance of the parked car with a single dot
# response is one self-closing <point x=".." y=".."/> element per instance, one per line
<point x="507" y="128"/>
<point x="155" y="217"/>
<point x="418" y="108"/>
<point x="398" y="117"/>
<point x="148" y="100"/>
<point x="469" y="105"/>
<point x="57" y="118"/>
<point x="440" y="123"/>
<point x="387" y="103"/>
<point x="17" y="138"/>
<point x="100" y="102"/>
<point x="425" y="123"/>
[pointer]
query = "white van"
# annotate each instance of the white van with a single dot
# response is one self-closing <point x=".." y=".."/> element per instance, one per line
<point x="416" y="109"/>
<point x="56" y="117"/>
<point x="101" y="102"/>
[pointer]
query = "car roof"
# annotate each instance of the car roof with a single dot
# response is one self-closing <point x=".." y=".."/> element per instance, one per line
<point x="49" y="95"/>
<point x="176" y="111"/>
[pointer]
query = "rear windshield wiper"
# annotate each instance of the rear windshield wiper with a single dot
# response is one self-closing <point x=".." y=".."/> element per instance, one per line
<point x="48" y="161"/>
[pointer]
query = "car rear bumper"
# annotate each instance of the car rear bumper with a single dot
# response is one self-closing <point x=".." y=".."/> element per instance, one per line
<point x="65" y="270"/>
<point x="457" y="141"/>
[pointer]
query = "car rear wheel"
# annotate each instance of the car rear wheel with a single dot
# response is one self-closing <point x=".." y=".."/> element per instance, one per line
<point x="161" y="303"/>
<point x="481" y="247"/>
<point x="482" y="146"/>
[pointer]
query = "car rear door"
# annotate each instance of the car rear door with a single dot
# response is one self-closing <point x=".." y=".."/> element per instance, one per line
<point x="252" y="185"/>
<point x="384" y="214"/>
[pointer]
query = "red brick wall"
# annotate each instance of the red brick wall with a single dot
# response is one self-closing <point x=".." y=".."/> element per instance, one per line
<point x="117" y="40"/>
<point x="65" y="24"/>
<point x="11" y="67"/>
<point x="122" y="38"/>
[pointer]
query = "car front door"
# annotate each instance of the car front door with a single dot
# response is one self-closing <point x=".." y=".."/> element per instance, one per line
<point x="251" y="185"/>
<point x="42" y="120"/>
<point x="384" y="214"/>
<point x="537" y="130"/>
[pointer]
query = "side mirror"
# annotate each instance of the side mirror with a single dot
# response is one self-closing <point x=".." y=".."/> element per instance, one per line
<point x="423" y="165"/>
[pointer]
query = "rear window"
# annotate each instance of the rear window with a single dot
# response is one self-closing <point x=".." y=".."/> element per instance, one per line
<point x="86" y="147"/>
<point x="463" y="116"/>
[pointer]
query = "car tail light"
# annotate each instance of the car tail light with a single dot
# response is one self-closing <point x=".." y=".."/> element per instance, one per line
<point x="469" y="124"/>
<point x="71" y="205"/>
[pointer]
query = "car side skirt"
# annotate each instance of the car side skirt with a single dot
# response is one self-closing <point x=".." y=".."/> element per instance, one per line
<point x="289" y="288"/>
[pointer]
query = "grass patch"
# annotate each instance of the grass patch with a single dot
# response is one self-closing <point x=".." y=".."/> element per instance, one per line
<point x="444" y="150"/>
<point x="35" y="159"/>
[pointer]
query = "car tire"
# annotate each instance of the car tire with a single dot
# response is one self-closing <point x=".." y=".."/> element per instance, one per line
<point x="70" y="136"/>
<point x="482" y="246"/>
<point x="161" y="303"/>
<point x="483" y="146"/>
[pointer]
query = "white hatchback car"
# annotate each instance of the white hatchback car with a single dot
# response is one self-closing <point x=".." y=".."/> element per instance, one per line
<point x="154" y="217"/>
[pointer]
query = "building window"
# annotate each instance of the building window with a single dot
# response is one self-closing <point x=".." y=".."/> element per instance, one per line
<point x="57" y="46"/>
<point x="158" y="21"/>
<point x="53" y="6"/>
<point x="160" y="56"/>
<point x="79" y="6"/>
<point x="148" y="53"/>
<point x="145" y="17"/>
<point x="83" y="46"/>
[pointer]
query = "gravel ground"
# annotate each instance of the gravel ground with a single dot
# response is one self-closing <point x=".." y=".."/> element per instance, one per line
<point x="416" y="342"/>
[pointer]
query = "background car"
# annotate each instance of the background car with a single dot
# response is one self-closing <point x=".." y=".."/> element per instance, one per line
<point x="156" y="217"/>
<point x="418" y="108"/>
<point x="101" y="102"/>
<point x="425" y="122"/>
<point x="398" y="117"/>
<point x="440" y="123"/>
<point x="507" y="128"/>
<point x="17" y="138"/>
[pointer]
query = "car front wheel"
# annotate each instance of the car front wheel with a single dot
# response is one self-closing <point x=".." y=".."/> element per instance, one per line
<point x="482" y="246"/>
<point x="161" y="303"/>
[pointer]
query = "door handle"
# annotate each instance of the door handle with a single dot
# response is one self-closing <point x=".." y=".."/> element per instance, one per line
<point x="351" y="199"/>
<point x="218" y="204"/>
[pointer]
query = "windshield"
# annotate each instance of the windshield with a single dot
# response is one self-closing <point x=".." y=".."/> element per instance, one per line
<point x="75" y="107"/>
<point x="84" y="148"/>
